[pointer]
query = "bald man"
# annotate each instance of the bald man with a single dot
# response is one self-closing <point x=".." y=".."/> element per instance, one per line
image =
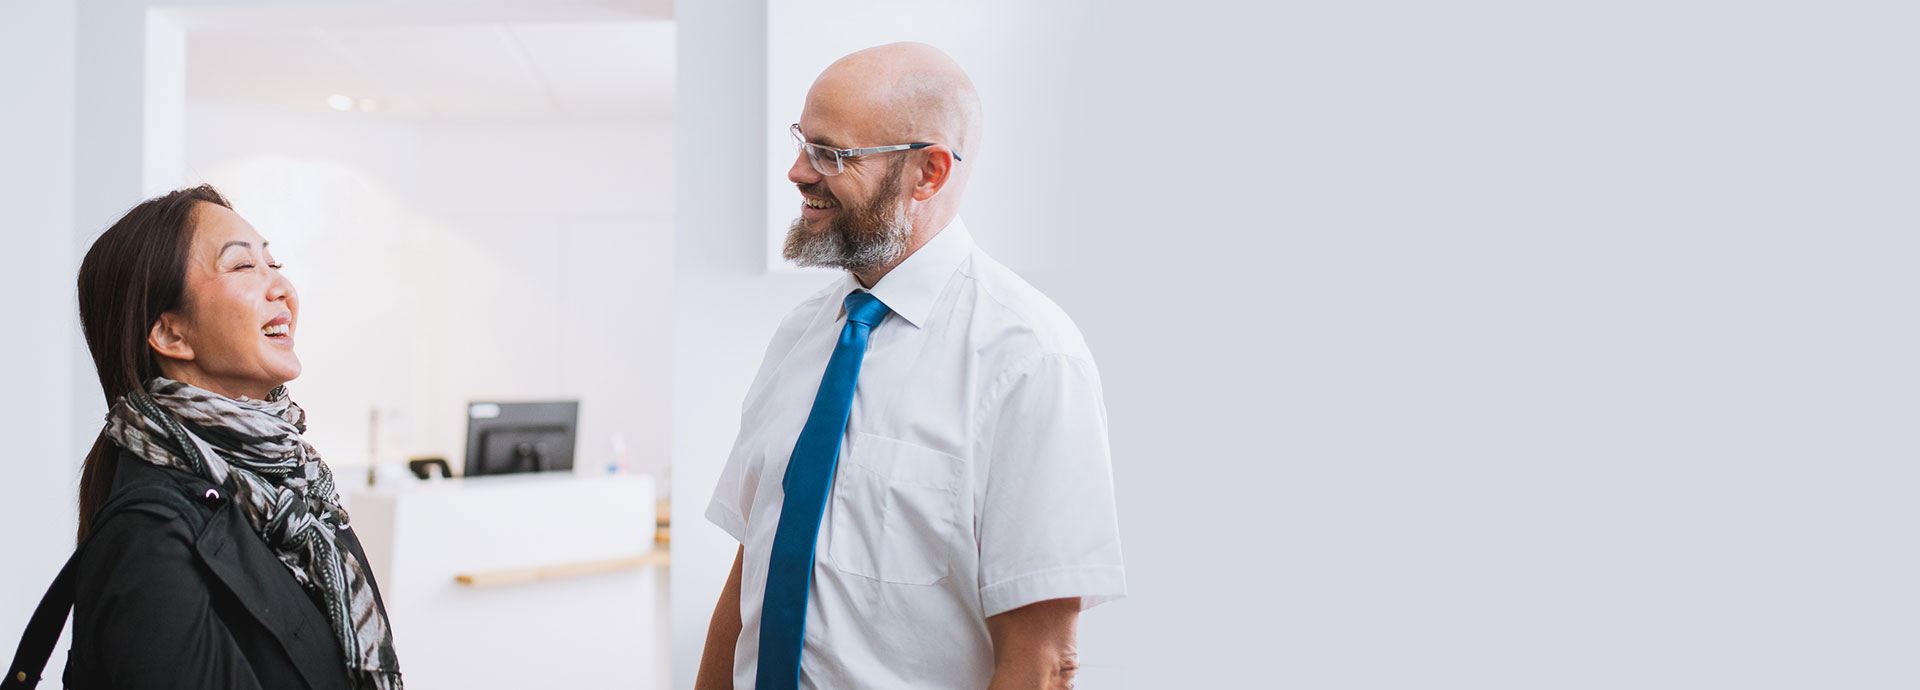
<point x="921" y="484"/>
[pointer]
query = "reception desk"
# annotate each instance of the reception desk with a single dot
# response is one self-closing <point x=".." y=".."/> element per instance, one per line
<point x="517" y="581"/>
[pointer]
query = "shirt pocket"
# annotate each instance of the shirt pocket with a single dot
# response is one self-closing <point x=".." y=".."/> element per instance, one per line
<point x="896" y="511"/>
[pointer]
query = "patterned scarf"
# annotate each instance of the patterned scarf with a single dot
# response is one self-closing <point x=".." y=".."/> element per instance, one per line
<point x="253" y="449"/>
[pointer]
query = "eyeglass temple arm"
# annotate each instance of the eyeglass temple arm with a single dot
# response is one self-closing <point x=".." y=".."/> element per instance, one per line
<point x="898" y="147"/>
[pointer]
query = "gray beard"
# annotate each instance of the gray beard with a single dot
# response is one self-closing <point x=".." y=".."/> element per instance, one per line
<point x="870" y="237"/>
<point x="839" y="246"/>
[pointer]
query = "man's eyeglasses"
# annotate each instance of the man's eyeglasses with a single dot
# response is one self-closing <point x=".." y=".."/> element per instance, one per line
<point x="827" y="160"/>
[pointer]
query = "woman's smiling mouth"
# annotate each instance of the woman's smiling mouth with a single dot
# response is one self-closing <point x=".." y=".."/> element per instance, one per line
<point x="280" y="328"/>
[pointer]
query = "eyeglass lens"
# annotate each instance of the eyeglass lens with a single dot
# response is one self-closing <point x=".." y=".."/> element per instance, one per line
<point x="825" y="160"/>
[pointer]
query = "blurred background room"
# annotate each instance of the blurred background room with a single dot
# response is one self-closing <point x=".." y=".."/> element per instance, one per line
<point x="1482" y="345"/>
<point x="480" y="199"/>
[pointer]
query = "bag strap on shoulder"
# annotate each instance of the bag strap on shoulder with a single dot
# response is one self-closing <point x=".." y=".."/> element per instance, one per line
<point x="43" y="629"/>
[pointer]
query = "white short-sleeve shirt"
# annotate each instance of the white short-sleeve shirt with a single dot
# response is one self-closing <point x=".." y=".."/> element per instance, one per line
<point x="974" y="477"/>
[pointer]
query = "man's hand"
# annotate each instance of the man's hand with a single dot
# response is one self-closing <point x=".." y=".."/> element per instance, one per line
<point x="1033" y="646"/>
<point x="716" y="662"/>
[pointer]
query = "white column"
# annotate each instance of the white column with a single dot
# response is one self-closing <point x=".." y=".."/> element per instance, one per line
<point x="36" y="302"/>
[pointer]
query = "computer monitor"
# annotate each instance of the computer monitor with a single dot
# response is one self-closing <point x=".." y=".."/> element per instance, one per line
<point x="505" y="437"/>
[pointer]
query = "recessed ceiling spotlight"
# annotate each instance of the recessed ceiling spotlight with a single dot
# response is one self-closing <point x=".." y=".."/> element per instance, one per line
<point x="339" y="102"/>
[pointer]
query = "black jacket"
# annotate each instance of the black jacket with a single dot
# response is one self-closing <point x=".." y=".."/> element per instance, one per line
<point x="159" y="605"/>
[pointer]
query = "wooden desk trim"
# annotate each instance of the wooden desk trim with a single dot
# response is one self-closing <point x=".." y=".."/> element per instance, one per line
<point x="515" y="576"/>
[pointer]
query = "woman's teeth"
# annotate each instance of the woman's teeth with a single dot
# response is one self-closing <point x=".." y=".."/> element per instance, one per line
<point x="273" y="330"/>
<point x="818" y="203"/>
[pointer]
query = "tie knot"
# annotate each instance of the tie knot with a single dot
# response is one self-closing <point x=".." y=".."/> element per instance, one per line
<point x="865" y="309"/>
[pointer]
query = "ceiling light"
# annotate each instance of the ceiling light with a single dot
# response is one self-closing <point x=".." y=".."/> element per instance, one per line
<point x="367" y="105"/>
<point x="339" y="102"/>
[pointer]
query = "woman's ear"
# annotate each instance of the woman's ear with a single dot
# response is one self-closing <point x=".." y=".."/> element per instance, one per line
<point x="169" y="338"/>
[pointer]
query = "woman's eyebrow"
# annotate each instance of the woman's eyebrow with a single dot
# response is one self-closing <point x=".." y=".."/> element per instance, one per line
<point x="238" y="243"/>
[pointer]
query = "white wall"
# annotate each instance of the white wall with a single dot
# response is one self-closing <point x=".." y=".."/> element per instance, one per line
<point x="1479" y="345"/>
<point x="440" y="264"/>
<point x="109" y="153"/>
<point x="725" y="305"/>
<point x="36" y="305"/>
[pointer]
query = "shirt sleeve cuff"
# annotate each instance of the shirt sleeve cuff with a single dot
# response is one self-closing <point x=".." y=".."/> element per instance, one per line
<point x="1094" y="584"/>
<point x="727" y="520"/>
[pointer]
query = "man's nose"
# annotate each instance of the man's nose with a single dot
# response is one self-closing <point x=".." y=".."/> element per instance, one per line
<point x="802" y="171"/>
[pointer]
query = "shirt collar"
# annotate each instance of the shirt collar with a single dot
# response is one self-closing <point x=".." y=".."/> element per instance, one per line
<point x="910" y="289"/>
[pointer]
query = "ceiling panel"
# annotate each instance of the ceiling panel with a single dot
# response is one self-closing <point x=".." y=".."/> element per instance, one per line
<point x="470" y="73"/>
<point x="579" y="62"/>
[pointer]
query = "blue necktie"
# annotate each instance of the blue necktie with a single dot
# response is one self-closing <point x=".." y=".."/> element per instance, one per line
<point x="783" y="612"/>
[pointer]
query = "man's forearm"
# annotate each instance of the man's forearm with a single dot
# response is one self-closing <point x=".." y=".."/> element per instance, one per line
<point x="723" y="632"/>
<point x="1053" y="671"/>
<point x="1033" y="646"/>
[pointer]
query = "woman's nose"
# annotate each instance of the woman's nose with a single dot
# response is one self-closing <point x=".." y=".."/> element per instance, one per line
<point x="280" y="289"/>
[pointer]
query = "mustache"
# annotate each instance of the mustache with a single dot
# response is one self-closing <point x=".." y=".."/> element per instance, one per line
<point x="818" y="189"/>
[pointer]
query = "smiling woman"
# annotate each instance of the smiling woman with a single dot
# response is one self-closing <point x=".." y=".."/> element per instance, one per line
<point x="233" y="335"/>
<point x="202" y="507"/>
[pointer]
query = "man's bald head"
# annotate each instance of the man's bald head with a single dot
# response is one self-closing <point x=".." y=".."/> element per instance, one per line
<point x="868" y="214"/>
<point x="901" y="92"/>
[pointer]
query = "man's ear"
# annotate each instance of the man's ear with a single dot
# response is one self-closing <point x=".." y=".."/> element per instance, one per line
<point x="168" y="338"/>
<point x="934" y="173"/>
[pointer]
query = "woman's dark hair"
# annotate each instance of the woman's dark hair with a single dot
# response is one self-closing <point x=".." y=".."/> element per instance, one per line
<point x="135" y="272"/>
